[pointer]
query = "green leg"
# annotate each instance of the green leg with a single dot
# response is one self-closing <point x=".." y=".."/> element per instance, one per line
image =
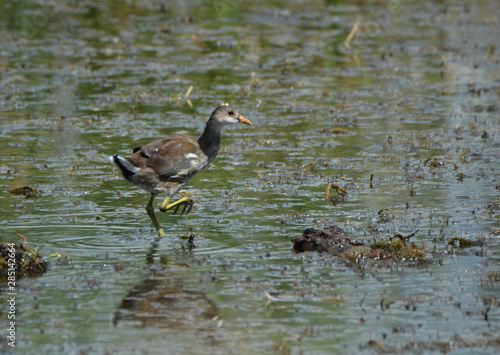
<point x="186" y="200"/>
<point x="151" y="212"/>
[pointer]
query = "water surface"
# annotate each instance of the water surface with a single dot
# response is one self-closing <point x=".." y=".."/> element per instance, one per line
<point x="413" y="102"/>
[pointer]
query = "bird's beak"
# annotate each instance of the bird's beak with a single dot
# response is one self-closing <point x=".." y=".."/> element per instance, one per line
<point x="242" y="119"/>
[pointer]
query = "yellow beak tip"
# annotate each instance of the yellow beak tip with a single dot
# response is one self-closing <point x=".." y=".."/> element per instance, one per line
<point x="244" y="120"/>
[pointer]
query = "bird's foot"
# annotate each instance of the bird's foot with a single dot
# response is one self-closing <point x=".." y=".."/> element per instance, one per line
<point x="161" y="233"/>
<point x="186" y="201"/>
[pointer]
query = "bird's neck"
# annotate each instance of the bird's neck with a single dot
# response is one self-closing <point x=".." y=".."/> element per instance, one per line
<point x="210" y="140"/>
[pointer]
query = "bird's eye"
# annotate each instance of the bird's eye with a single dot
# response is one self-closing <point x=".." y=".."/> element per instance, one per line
<point x="230" y="113"/>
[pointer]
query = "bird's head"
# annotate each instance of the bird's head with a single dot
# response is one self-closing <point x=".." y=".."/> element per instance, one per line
<point x="225" y="115"/>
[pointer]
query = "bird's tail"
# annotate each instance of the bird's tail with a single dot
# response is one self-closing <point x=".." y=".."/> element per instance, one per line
<point x="127" y="168"/>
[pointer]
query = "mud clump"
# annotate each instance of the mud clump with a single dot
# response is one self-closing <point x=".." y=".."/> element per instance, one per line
<point x="331" y="239"/>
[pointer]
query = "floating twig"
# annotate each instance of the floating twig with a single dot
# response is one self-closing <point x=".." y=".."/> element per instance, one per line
<point x="351" y="34"/>
<point x="486" y="312"/>
<point x="199" y="42"/>
<point x="22" y="236"/>
<point x="187" y="94"/>
<point x="401" y="237"/>
<point x="340" y="191"/>
<point x="271" y="298"/>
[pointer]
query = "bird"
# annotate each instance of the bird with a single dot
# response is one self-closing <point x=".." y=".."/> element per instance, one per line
<point x="165" y="166"/>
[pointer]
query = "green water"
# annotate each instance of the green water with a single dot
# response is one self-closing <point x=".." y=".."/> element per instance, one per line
<point x="84" y="80"/>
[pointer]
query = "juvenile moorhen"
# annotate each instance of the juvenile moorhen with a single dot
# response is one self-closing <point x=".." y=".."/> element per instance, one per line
<point x="163" y="167"/>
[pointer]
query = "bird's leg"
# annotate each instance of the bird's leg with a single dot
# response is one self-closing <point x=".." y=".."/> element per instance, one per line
<point x="185" y="200"/>
<point x="151" y="212"/>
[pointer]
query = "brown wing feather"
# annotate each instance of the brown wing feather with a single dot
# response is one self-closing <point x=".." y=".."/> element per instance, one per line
<point x="167" y="157"/>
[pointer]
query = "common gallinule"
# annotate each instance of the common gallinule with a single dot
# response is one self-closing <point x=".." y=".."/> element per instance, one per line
<point x="163" y="167"/>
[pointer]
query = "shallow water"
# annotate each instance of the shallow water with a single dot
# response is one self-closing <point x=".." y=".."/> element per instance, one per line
<point x="413" y="102"/>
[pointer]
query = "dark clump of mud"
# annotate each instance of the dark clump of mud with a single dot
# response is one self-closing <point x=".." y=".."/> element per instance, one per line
<point x="26" y="191"/>
<point x="21" y="259"/>
<point x="331" y="239"/>
<point x="334" y="240"/>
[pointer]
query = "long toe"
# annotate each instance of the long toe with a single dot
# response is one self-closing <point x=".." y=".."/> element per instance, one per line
<point x="176" y="209"/>
<point x="185" y="208"/>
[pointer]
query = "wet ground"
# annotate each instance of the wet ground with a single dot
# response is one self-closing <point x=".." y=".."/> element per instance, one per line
<point x="405" y="118"/>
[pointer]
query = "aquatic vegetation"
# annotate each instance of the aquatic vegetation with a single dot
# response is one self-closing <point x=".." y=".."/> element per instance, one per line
<point x="27" y="262"/>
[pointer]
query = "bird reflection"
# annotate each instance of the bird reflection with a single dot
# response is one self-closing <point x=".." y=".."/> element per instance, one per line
<point x="164" y="302"/>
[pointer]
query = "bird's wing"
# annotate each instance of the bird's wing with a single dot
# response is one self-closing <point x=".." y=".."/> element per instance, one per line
<point x="171" y="158"/>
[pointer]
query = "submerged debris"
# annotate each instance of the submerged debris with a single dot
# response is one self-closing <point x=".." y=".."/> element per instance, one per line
<point x="25" y="261"/>
<point x="465" y="243"/>
<point x="386" y="214"/>
<point x="490" y="279"/>
<point x="334" y="240"/>
<point x="438" y="163"/>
